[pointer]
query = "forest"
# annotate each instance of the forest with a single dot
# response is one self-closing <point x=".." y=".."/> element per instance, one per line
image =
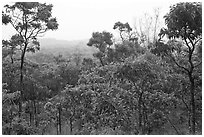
<point x="138" y="84"/>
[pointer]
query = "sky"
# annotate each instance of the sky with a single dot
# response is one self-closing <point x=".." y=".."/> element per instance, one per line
<point x="78" y="19"/>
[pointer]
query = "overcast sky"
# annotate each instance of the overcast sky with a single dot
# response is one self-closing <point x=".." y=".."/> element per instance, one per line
<point x="79" y="18"/>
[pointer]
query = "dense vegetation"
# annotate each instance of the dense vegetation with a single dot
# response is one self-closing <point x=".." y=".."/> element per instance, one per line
<point x="131" y="86"/>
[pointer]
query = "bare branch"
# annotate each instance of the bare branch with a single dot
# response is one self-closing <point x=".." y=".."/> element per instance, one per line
<point x="26" y="29"/>
<point x="197" y="40"/>
<point x="198" y="64"/>
<point x="31" y="32"/>
<point x="40" y="31"/>
<point x="187" y="44"/>
<point x="182" y="98"/>
<point x="174" y="127"/>
<point x="179" y="65"/>
<point x="16" y="16"/>
<point x="16" y="29"/>
<point x="193" y="44"/>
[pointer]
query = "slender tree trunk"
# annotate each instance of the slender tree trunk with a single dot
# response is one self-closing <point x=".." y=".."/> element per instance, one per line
<point x="140" y="113"/>
<point x="71" y="125"/>
<point x="101" y="61"/>
<point x="155" y="26"/>
<point x="21" y="84"/>
<point x="30" y="112"/>
<point x="30" y="118"/>
<point x="43" y="131"/>
<point x="11" y="59"/>
<point x="60" y="124"/>
<point x="121" y="36"/>
<point x="145" y="119"/>
<point x="189" y="121"/>
<point x="57" y="126"/>
<point x="174" y="127"/>
<point x="193" y="116"/>
<point x="35" y="113"/>
<point x="177" y="131"/>
<point x="189" y="113"/>
<point x="21" y="78"/>
<point x="10" y="125"/>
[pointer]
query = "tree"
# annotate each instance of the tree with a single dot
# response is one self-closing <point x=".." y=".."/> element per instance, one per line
<point x="10" y="48"/>
<point x="124" y="30"/>
<point x="53" y="112"/>
<point x="29" y="19"/>
<point x="102" y="41"/>
<point x="184" y="22"/>
<point x="87" y="64"/>
<point x="147" y="28"/>
<point x="107" y="109"/>
<point x="129" y="45"/>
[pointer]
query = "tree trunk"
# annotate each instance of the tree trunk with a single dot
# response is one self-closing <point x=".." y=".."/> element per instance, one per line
<point x="145" y="119"/>
<point x="30" y="118"/>
<point x="10" y="123"/>
<point x="193" y="116"/>
<point x="11" y="59"/>
<point x="140" y="113"/>
<point x="57" y="126"/>
<point x="21" y="79"/>
<point x="101" y="61"/>
<point x="189" y="113"/>
<point x="71" y="125"/>
<point x="35" y="113"/>
<point x="189" y="122"/>
<point x="121" y="36"/>
<point x="60" y="124"/>
<point x="30" y="112"/>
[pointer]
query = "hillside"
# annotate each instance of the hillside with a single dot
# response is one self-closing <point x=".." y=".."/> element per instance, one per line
<point x="65" y="48"/>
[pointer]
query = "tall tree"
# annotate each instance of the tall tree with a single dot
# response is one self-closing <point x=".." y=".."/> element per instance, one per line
<point x="184" y="21"/>
<point x="102" y="41"/>
<point x="124" y="30"/>
<point x="29" y="19"/>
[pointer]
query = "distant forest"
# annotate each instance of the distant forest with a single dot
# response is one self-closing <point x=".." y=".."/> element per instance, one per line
<point x="147" y="81"/>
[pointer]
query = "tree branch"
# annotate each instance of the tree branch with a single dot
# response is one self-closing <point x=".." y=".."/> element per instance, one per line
<point x="190" y="56"/>
<point x="20" y="32"/>
<point x="193" y="44"/>
<point x="198" y="64"/>
<point x="16" y="16"/>
<point x="26" y="29"/>
<point x="197" y="40"/>
<point x="177" y="131"/>
<point x="185" y="103"/>
<point x="40" y="31"/>
<point x="31" y="33"/>
<point x="190" y="53"/>
<point x="180" y="65"/>
<point x="189" y="48"/>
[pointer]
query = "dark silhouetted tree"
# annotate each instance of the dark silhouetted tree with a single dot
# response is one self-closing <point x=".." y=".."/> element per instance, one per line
<point x="184" y="22"/>
<point x="29" y="19"/>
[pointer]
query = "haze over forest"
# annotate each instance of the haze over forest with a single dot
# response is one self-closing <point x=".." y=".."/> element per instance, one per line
<point x="85" y="68"/>
<point x="79" y="18"/>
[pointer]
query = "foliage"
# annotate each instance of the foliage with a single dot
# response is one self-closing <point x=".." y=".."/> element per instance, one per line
<point x="184" y="22"/>
<point x="133" y="91"/>
<point x="102" y="41"/>
<point x="124" y="30"/>
<point x="30" y="19"/>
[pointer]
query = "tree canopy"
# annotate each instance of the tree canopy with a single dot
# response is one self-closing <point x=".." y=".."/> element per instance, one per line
<point x="127" y="86"/>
